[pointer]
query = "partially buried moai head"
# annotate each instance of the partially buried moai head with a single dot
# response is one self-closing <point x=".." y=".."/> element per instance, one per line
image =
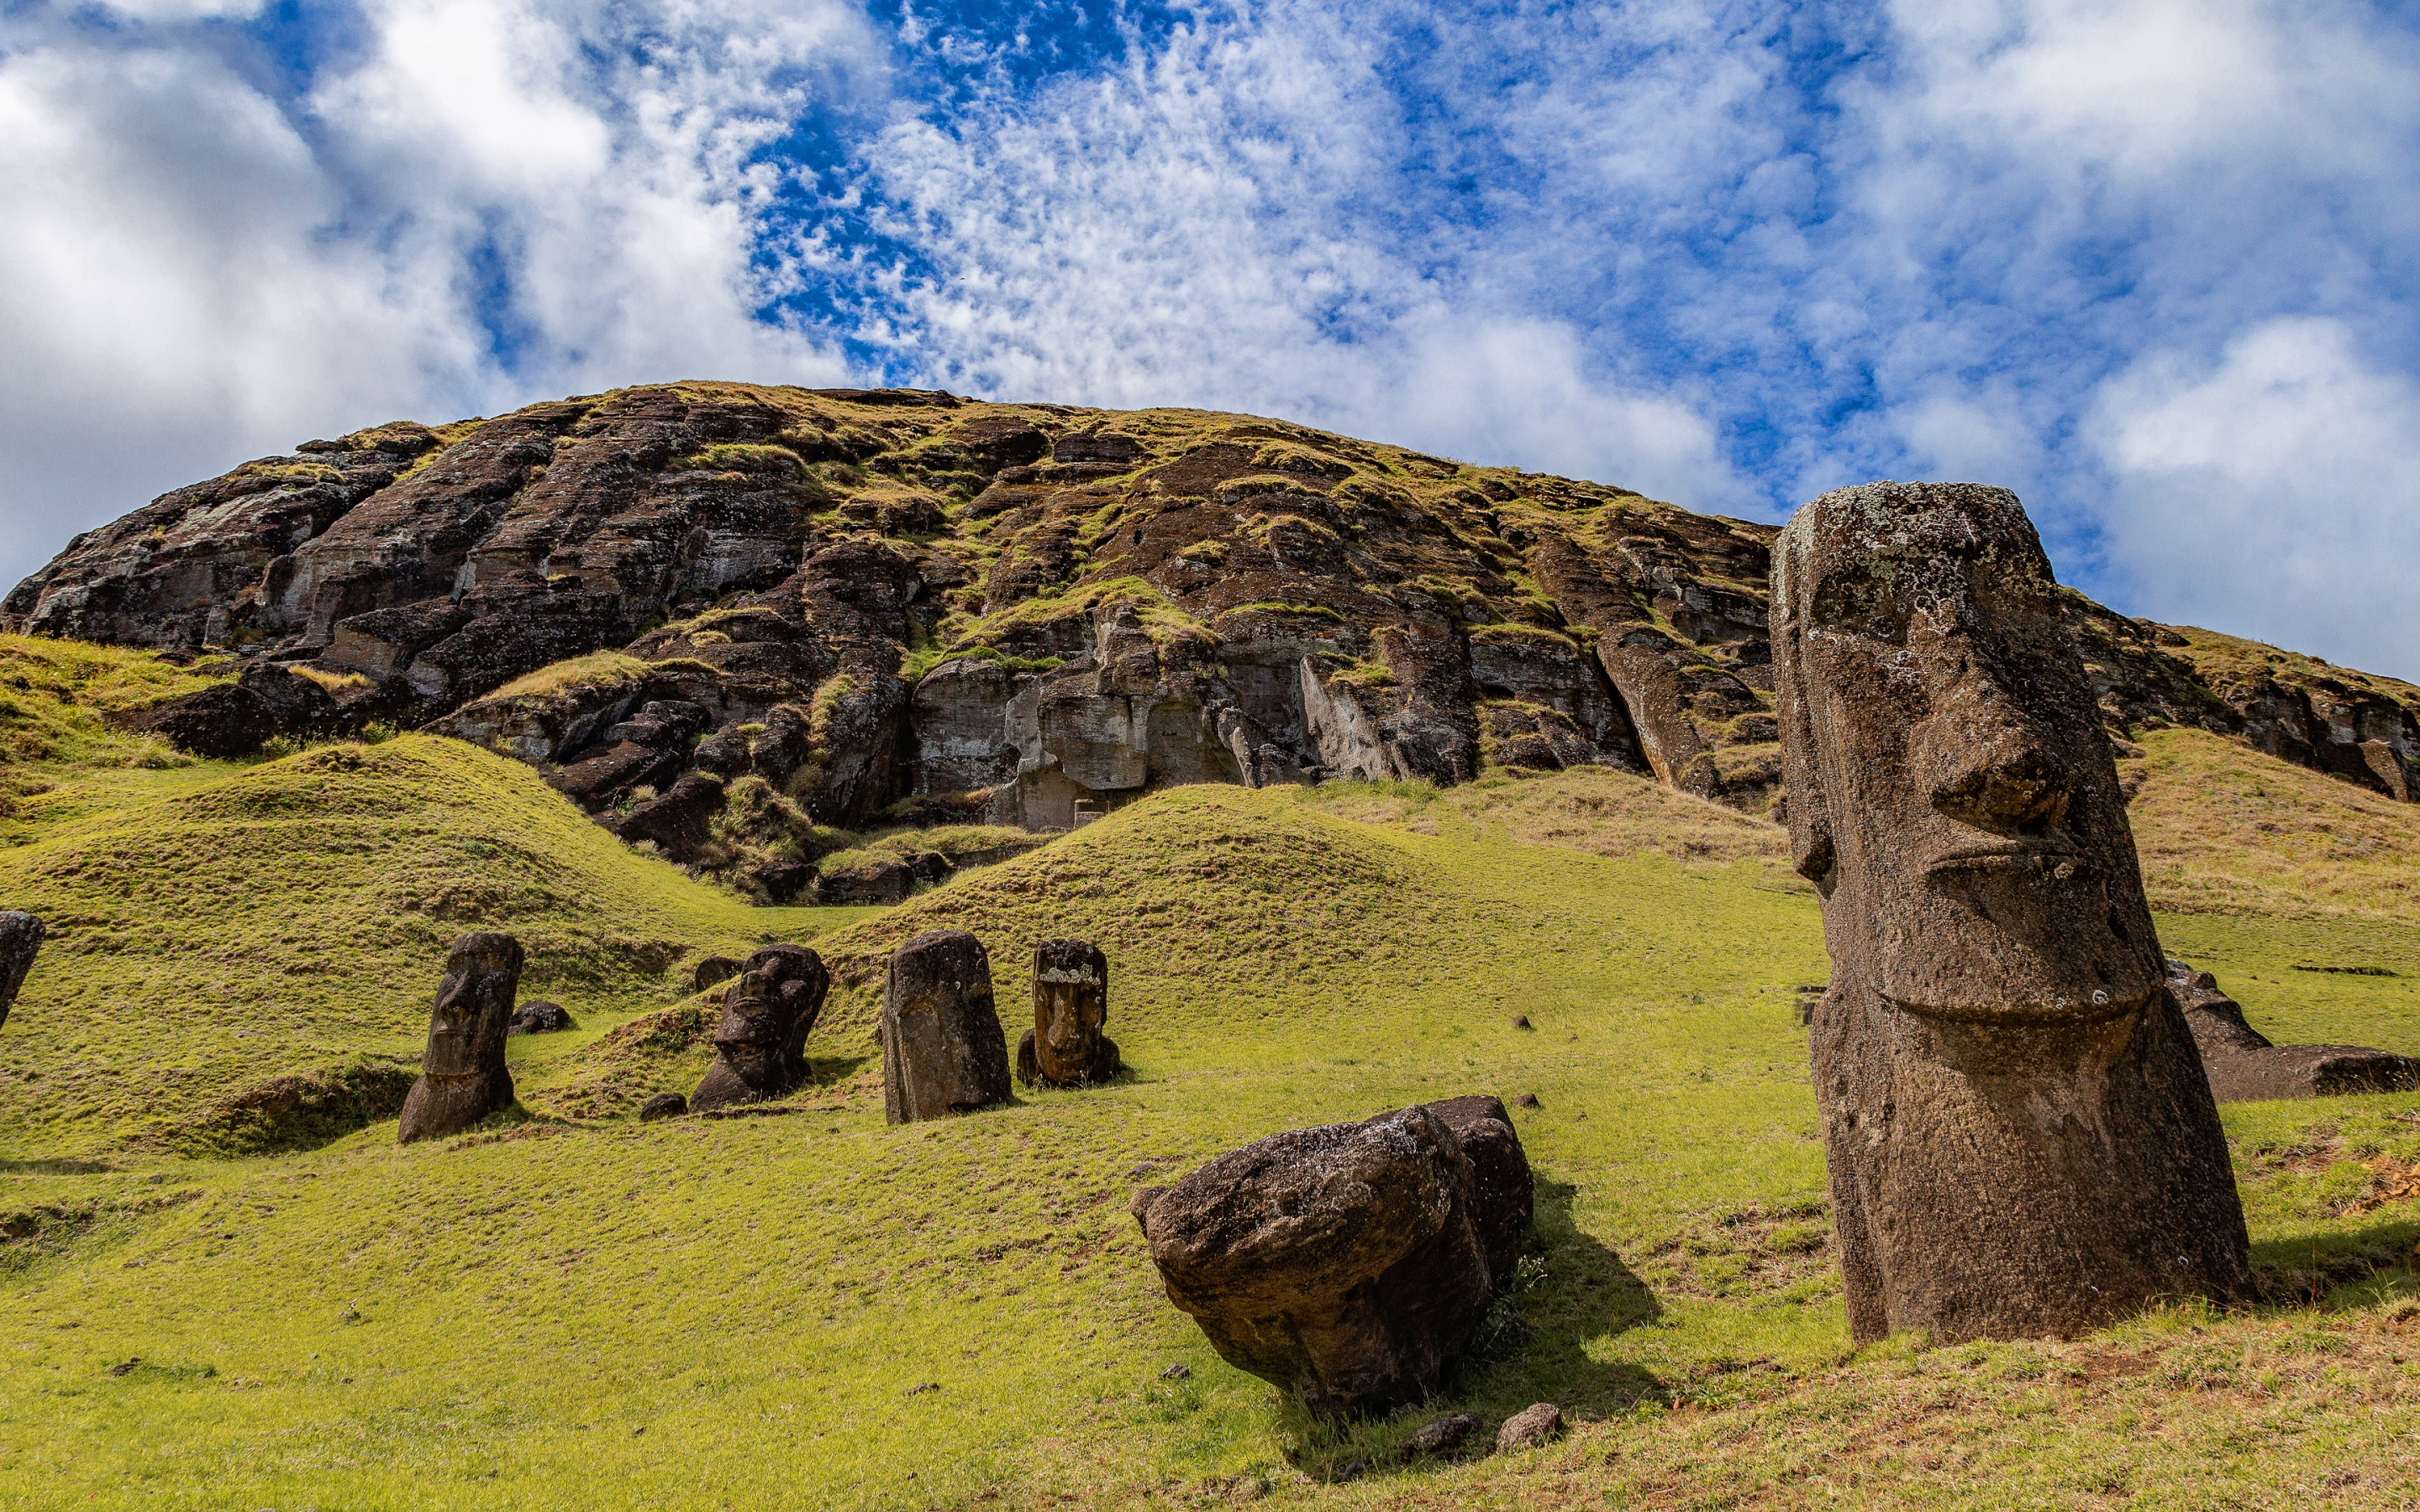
<point x="474" y="1005"/>
<point x="1951" y="793"/>
<point x="767" y="1012"/>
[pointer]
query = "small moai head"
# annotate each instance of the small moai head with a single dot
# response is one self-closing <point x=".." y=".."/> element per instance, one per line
<point x="1951" y="793"/>
<point x="475" y="1006"/>
<point x="1071" y="1002"/>
<point x="21" y="937"/>
<point x="767" y="1012"/>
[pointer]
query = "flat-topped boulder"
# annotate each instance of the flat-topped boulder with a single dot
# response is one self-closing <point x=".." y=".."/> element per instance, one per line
<point x="1352" y="1262"/>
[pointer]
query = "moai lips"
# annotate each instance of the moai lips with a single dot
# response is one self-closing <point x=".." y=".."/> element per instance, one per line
<point x="760" y="1045"/>
<point x="1071" y="1001"/>
<point x="463" y="1074"/>
<point x="943" y="1050"/>
<point x="2020" y="1137"/>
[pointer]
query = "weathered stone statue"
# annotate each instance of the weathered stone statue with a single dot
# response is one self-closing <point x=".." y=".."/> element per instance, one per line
<point x="943" y="1050"/>
<point x="1071" y="1001"/>
<point x="21" y="937"/>
<point x="462" y="1075"/>
<point x="760" y="1047"/>
<point x="1354" y="1262"/>
<point x="2019" y="1133"/>
<point x="2243" y="1066"/>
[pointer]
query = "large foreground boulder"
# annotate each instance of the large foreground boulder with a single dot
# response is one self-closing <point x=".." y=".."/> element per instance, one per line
<point x="760" y="1047"/>
<point x="1352" y="1262"/>
<point x="21" y="937"/>
<point x="943" y="1050"/>
<point x="1071" y="1001"/>
<point x="463" y="1074"/>
<point x="2020" y="1137"/>
<point x="2244" y="1067"/>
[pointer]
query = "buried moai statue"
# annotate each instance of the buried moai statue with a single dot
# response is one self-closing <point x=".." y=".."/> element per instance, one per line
<point x="1071" y="1001"/>
<point x="21" y="937"/>
<point x="943" y="1050"/>
<point x="2020" y="1137"/>
<point x="760" y="1047"/>
<point x="463" y="1074"/>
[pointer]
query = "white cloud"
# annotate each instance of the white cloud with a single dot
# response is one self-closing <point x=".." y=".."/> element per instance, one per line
<point x="197" y="272"/>
<point x="2272" y="494"/>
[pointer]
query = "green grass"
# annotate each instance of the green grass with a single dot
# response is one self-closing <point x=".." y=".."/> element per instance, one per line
<point x="586" y="1312"/>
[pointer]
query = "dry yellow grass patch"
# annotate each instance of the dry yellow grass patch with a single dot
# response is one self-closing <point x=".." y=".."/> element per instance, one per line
<point x="1593" y="808"/>
<point x="2222" y="830"/>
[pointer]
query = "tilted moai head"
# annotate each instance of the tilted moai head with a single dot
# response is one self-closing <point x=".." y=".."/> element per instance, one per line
<point x="760" y="1045"/>
<point x="2018" y="1133"/>
<point x="463" y="1074"/>
<point x="942" y="1048"/>
<point x="1071" y="1001"/>
<point x="21" y="937"/>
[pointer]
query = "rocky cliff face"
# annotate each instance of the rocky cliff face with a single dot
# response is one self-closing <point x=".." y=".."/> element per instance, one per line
<point x="720" y="616"/>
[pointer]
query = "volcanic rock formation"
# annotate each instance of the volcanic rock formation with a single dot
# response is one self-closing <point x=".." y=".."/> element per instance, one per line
<point x="21" y="938"/>
<point x="760" y="1045"/>
<point x="943" y="1051"/>
<point x="2020" y="1137"/>
<point x="1352" y="1262"/>
<point x="720" y="616"/>
<point x="1071" y="1001"/>
<point x="2244" y="1067"/>
<point x="463" y="1074"/>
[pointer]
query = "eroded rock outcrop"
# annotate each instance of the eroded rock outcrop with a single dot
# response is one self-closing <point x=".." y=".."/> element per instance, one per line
<point x="1071" y="1001"/>
<point x="760" y="1044"/>
<point x="723" y="617"/>
<point x="463" y="1074"/>
<point x="2019" y="1133"/>
<point x="1353" y="1262"/>
<point x="2244" y="1067"/>
<point x="943" y="1051"/>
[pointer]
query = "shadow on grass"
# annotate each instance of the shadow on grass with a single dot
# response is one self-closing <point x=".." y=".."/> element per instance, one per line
<point x="2304" y="1272"/>
<point x="831" y="1070"/>
<point x="1586" y="1294"/>
<point x="60" y="1167"/>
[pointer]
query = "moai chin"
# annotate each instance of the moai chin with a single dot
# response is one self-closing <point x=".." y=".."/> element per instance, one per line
<point x="1071" y="1001"/>
<point x="943" y="1051"/>
<point x="2020" y="1137"/>
<point x="463" y="1074"/>
<point x="21" y="938"/>
<point x="760" y="1045"/>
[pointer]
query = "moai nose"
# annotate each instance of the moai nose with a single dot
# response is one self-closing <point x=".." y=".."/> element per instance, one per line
<point x="1984" y="761"/>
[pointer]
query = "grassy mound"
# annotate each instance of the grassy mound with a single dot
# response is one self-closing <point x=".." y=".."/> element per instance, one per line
<point x="813" y="1309"/>
<point x="292" y="918"/>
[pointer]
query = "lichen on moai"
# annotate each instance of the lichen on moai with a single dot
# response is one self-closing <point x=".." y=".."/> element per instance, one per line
<point x="1071" y="1001"/>
<point x="2020" y="1137"/>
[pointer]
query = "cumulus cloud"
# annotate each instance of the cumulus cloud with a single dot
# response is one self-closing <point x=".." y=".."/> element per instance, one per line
<point x="2272" y="493"/>
<point x="477" y="206"/>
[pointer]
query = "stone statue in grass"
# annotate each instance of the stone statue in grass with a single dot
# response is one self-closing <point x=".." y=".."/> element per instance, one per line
<point x="943" y="1050"/>
<point x="1071" y="1001"/>
<point x="21" y="937"/>
<point x="463" y="1074"/>
<point x="760" y="1045"/>
<point x="2020" y="1137"/>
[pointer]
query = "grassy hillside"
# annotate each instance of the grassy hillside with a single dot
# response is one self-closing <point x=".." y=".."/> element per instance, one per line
<point x="579" y="1311"/>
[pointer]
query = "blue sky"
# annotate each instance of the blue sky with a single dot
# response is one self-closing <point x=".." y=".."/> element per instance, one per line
<point x="2152" y="265"/>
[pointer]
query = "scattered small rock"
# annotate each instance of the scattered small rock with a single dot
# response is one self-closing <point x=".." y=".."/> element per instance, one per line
<point x="1527" y="1100"/>
<point x="1530" y="1427"/>
<point x="921" y="1389"/>
<point x="1177" y="1372"/>
<point x="1441" y="1434"/>
<point x="541" y="1018"/>
<point x="711" y="971"/>
<point x="124" y="1366"/>
<point x="1521" y="1021"/>
<point x="662" y="1105"/>
<point x="1353" y="1469"/>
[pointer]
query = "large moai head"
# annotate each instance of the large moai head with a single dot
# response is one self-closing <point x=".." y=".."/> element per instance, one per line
<point x="2020" y="1137"/>
<point x="475" y="1006"/>
<point x="761" y="1041"/>
<point x="1950" y="790"/>
<point x="942" y="1048"/>
<point x="1071" y="1003"/>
